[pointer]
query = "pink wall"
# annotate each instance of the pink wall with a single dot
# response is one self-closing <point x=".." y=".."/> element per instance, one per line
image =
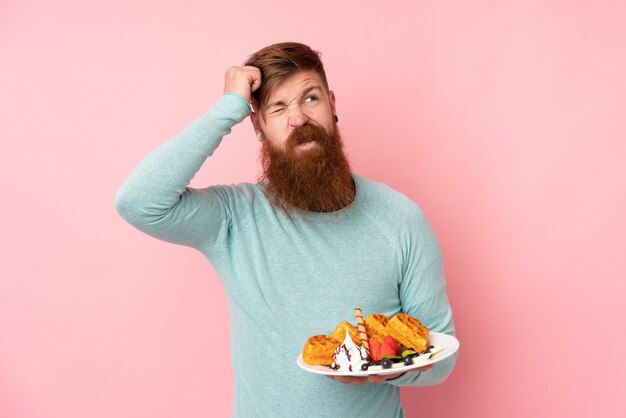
<point x="506" y="121"/>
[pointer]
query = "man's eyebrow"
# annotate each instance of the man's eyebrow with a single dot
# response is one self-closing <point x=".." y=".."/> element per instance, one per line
<point x="310" y="89"/>
<point x="304" y="93"/>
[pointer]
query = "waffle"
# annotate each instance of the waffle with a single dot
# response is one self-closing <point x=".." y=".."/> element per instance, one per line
<point x="339" y="333"/>
<point x="408" y="331"/>
<point x="319" y="349"/>
<point x="375" y="327"/>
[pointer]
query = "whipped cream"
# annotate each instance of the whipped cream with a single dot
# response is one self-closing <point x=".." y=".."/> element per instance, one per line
<point x="349" y="357"/>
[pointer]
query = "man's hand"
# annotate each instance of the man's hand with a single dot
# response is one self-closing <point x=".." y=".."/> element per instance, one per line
<point x="375" y="379"/>
<point x="242" y="80"/>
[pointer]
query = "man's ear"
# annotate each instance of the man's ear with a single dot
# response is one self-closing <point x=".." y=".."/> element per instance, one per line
<point x="331" y="97"/>
<point x="255" y="121"/>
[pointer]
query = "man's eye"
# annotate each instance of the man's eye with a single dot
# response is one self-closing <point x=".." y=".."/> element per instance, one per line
<point x="311" y="98"/>
<point x="277" y="111"/>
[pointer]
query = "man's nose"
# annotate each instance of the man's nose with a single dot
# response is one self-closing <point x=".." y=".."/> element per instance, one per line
<point x="297" y="117"/>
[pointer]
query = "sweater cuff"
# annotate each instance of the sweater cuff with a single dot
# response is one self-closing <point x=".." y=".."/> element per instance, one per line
<point x="237" y="101"/>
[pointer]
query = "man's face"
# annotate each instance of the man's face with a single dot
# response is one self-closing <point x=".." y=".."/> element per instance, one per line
<point x="299" y="100"/>
<point x="304" y="165"/>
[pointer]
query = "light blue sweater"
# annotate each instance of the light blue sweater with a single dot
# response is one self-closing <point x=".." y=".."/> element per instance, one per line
<point x="287" y="279"/>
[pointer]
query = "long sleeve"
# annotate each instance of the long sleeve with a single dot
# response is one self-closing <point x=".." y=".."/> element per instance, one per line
<point x="423" y="295"/>
<point x="155" y="197"/>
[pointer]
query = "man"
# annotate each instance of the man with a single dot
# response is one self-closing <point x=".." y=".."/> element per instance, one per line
<point x="299" y="250"/>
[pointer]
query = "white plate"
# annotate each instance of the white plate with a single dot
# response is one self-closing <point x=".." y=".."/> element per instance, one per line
<point x="448" y="344"/>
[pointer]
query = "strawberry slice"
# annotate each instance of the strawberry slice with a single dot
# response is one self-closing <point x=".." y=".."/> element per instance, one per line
<point x="392" y="343"/>
<point x="386" y="350"/>
<point x="375" y="348"/>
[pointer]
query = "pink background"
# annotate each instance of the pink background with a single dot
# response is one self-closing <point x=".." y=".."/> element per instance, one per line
<point x="505" y="121"/>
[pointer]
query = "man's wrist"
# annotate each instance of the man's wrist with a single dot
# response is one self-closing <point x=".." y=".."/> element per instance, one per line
<point x="248" y="105"/>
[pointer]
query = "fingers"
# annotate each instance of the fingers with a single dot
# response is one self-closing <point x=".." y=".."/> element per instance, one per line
<point x="423" y="369"/>
<point x="256" y="78"/>
<point x="378" y="379"/>
<point x="375" y="379"/>
<point x="242" y="80"/>
<point x="354" y="380"/>
<point x="349" y="380"/>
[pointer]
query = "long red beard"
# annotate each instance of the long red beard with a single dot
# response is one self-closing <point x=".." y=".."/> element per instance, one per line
<point x="318" y="179"/>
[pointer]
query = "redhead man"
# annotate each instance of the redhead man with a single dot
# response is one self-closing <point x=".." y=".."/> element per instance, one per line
<point x="298" y="250"/>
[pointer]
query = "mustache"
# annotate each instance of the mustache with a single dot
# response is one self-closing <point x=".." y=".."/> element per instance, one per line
<point x="306" y="133"/>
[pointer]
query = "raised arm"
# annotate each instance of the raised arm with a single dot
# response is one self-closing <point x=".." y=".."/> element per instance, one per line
<point x="156" y="198"/>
